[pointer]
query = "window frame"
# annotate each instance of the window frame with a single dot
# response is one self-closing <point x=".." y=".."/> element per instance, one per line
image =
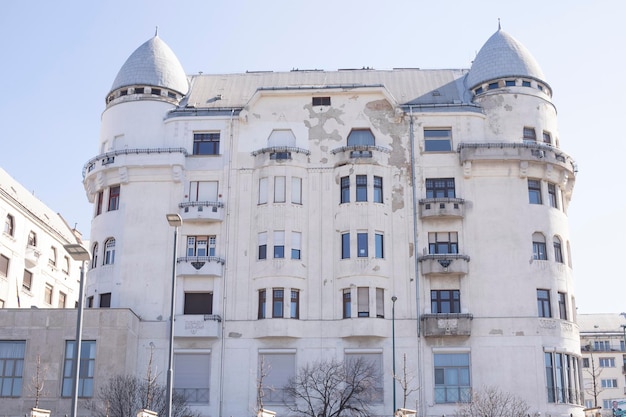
<point x="278" y="303"/>
<point x="378" y="189"/>
<point x="361" y="188"/>
<point x="440" y="299"/>
<point x="5" y="262"/>
<point x="9" y="225"/>
<point x="448" y="245"/>
<point x="196" y="302"/>
<point x="558" y="250"/>
<point x="362" y="249"/>
<point x="529" y="134"/>
<point x="440" y="188"/>
<point x="109" y="251"/>
<point x="87" y="367"/>
<point x="12" y="353"/>
<point x="344" y="190"/>
<point x="562" y="300"/>
<point x="206" y="143"/>
<point x="552" y="196"/>
<point x="262" y="245"/>
<point x="294" y="311"/>
<point x="114" y="198"/>
<point x="540" y="252"/>
<point x="27" y="284"/>
<point x="48" y="293"/>
<point x="544" y="307"/>
<point x="346" y="301"/>
<point x="279" y="244"/>
<point x="262" y="301"/>
<point x="452" y="375"/>
<point x="379" y="245"/>
<point x="437" y="139"/>
<point x="345" y="245"/>
<point x="534" y="191"/>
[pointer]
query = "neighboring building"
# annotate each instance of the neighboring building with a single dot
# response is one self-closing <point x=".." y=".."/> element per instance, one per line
<point x="35" y="269"/>
<point x="602" y="338"/>
<point x="309" y="199"/>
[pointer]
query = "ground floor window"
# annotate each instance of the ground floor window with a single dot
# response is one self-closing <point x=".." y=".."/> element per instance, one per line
<point x="452" y="378"/>
<point x="86" y="371"/>
<point x="192" y="376"/>
<point x="562" y="378"/>
<point x="276" y="368"/>
<point x="11" y="368"/>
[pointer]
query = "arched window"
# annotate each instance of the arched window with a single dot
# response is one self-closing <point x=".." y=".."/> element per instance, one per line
<point x="94" y="255"/>
<point x="109" y="251"/>
<point x="539" y="247"/>
<point x="9" y="225"/>
<point x="558" y="251"/>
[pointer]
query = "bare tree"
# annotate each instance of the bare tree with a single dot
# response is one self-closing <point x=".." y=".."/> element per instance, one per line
<point x="491" y="402"/>
<point x="406" y="381"/>
<point x="594" y="389"/>
<point x="37" y="382"/>
<point x="332" y="388"/>
<point x="264" y="369"/>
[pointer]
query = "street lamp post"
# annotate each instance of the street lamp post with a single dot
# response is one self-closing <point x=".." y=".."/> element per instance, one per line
<point x="78" y="253"/>
<point x="175" y="221"/>
<point x="393" y="347"/>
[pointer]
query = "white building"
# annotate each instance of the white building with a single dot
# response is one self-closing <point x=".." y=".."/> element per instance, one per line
<point x="309" y="199"/>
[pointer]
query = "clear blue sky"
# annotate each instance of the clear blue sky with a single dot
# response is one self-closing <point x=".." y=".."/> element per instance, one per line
<point x="59" y="59"/>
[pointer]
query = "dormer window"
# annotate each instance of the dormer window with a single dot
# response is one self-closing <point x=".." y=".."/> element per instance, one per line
<point x="509" y="83"/>
<point x="139" y="90"/>
<point x="155" y="91"/>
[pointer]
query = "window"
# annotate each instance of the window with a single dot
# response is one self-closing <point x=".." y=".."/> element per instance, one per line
<point x="11" y="368"/>
<point x="90" y="302"/>
<point x="437" y="140"/>
<point x="361" y="188"/>
<point x="32" y="239"/>
<point x="295" y="304"/>
<point x="114" y="198"/>
<point x="281" y="137"/>
<point x="62" y="299"/>
<point x="543" y="303"/>
<point x="552" y="195"/>
<point x="585" y="362"/>
<point x="296" y="239"/>
<point x="278" y="369"/>
<point x="529" y="134"/>
<point x="263" y="245"/>
<point x="509" y="83"/>
<point x="345" y="245"/>
<point x="359" y="360"/>
<point x="363" y="301"/>
<point x="452" y="378"/>
<point x="105" y="300"/>
<point x="296" y="190"/>
<point x="607" y="362"/>
<point x="192" y="374"/>
<point x="602" y="345"/>
<point x="547" y="139"/>
<point x="279" y="244"/>
<point x="47" y="294"/>
<point x="206" y="143"/>
<point x="4" y="266"/>
<point x="345" y="190"/>
<point x="9" y="225"/>
<point x="94" y="253"/>
<point x="27" y="281"/>
<point x="262" y="190"/>
<point x="87" y="366"/>
<point x="201" y="246"/>
<point x="279" y="189"/>
<point x="363" y="137"/>
<point x="609" y="383"/>
<point x="278" y="298"/>
<point x="440" y="188"/>
<point x="445" y="301"/>
<point x="539" y="247"/>
<point x="198" y="303"/>
<point x="534" y="191"/>
<point x="347" y="304"/>
<point x="361" y="244"/>
<point x="52" y="261"/>
<point x="562" y="377"/>
<point x="99" y="200"/>
<point x="378" y="189"/>
<point x="380" y="303"/>
<point x="66" y="265"/>
<point x="262" y="304"/>
<point x="203" y="190"/>
<point x="380" y="250"/>
<point x="562" y="306"/>
<point x="321" y="101"/>
<point x="558" y="254"/>
<point x="443" y="242"/>
<point x="492" y="86"/>
<point x="109" y="251"/>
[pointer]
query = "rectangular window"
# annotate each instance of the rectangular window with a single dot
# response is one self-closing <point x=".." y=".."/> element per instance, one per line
<point x="380" y="303"/>
<point x="105" y="300"/>
<point x="262" y="190"/>
<point x="440" y="188"/>
<point x="198" y="303"/>
<point x="539" y="247"/>
<point x="543" y="303"/>
<point x="558" y="253"/>
<point x="296" y="190"/>
<point x="347" y="304"/>
<point x="452" y="378"/>
<point x="296" y="241"/>
<point x="437" y="140"/>
<point x="552" y="195"/>
<point x="52" y="261"/>
<point x="585" y="362"/>
<point x="295" y="304"/>
<point x="278" y="369"/>
<point x="4" y="266"/>
<point x="206" y="143"/>
<point x="534" y="191"/>
<point x="607" y="362"/>
<point x="602" y="345"/>
<point x="114" y="198"/>
<point x="445" y="301"/>
<point x="62" y="300"/>
<point x="262" y="303"/>
<point x="443" y="242"/>
<point x="345" y="245"/>
<point x="361" y="244"/>
<point x="9" y="225"/>
<point x="380" y="250"/>
<point x="361" y="188"/>
<point x="378" y="189"/>
<point x="99" y="201"/>
<point x="279" y="244"/>
<point x="279" y="189"/>
<point x="278" y="299"/>
<point x="374" y="361"/>
<point x="11" y="368"/>
<point x="201" y="246"/>
<point x="345" y="190"/>
<point x="27" y="282"/>
<point x="203" y="191"/>
<point x="263" y="245"/>
<point x="321" y="101"/>
<point x="562" y="306"/>
<point x="547" y="139"/>
<point x="529" y="134"/>
<point x="192" y="376"/>
<point x="47" y="294"/>
<point x="363" y="301"/>
<point x="87" y="366"/>
<point x="562" y="377"/>
<point x="66" y="265"/>
<point x="609" y="383"/>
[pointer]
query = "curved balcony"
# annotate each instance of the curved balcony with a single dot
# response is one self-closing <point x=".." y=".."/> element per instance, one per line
<point x="200" y="211"/>
<point x="364" y="153"/>
<point x="442" y="208"/>
<point x="200" y="265"/>
<point x="31" y="256"/>
<point x="197" y="325"/>
<point x="444" y="264"/>
<point x="279" y="153"/>
<point x="134" y="157"/>
<point x="446" y="324"/>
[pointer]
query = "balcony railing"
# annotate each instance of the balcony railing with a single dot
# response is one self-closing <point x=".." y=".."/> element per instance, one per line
<point x="281" y="152"/>
<point x="442" y="207"/>
<point x="361" y="151"/>
<point x="447" y="324"/>
<point x="202" y="211"/>
<point x="108" y="158"/>
<point x="200" y="265"/>
<point x="445" y="263"/>
<point x="31" y="256"/>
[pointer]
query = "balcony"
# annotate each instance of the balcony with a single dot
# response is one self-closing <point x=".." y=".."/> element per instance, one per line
<point x="202" y="211"/>
<point x="447" y="324"/>
<point x="442" y="208"/>
<point x="135" y="157"/>
<point x="281" y="153"/>
<point x="197" y="325"/>
<point x="200" y="266"/>
<point x="365" y="153"/>
<point x="444" y="264"/>
<point x="31" y="256"/>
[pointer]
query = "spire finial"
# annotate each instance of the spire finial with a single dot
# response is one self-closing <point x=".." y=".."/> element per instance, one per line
<point x="156" y="31"/>
<point x="499" y="26"/>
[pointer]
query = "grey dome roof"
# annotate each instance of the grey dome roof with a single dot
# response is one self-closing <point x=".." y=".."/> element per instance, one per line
<point x="154" y="64"/>
<point x="503" y="56"/>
